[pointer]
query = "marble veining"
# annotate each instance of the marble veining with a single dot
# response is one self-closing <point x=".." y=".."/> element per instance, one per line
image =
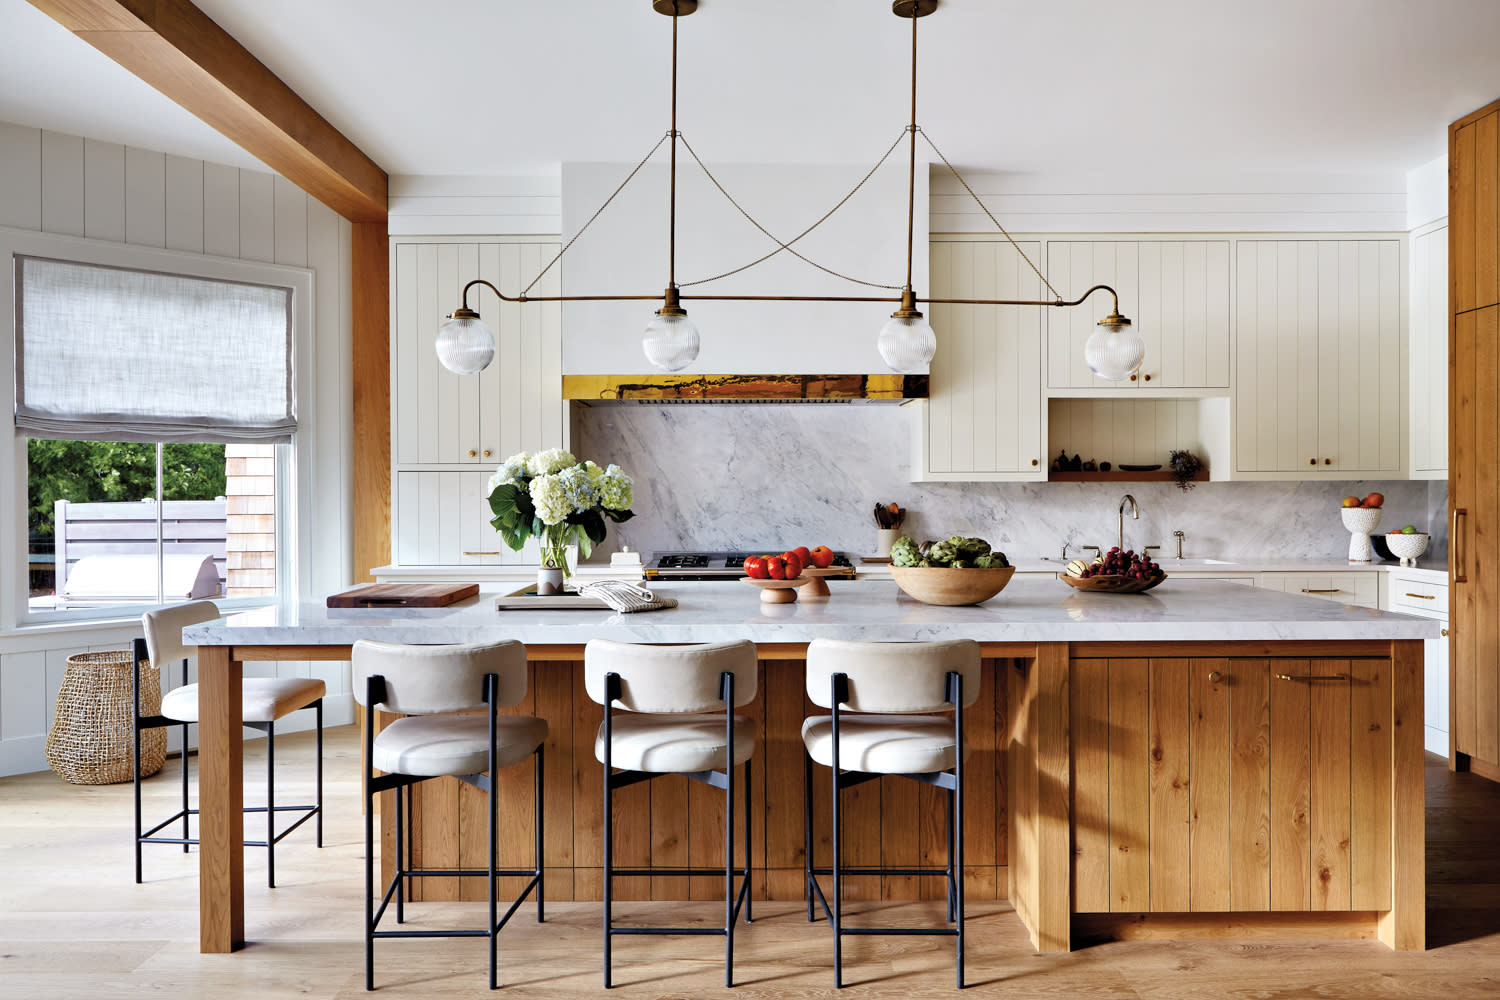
<point x="1030" y="609"/>
<point x="732" y="477"/>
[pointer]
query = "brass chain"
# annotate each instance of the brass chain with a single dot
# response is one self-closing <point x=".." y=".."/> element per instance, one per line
<point x="596" y="215"/>
<point x="787" y="246"/>
<point x="986" y="211"/>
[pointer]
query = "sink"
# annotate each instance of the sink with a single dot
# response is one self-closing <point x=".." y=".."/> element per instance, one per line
<point x="1196" y="562"/>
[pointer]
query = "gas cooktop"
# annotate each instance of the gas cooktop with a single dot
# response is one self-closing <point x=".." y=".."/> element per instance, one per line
<point x="715" y="565"/>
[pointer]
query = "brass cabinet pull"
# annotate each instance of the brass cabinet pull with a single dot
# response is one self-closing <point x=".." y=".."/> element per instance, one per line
<point x="1033" y="461"/>
<point x="481" y="553"/>
<point x="1422" y="597"/>
<point x="1333" y="591"/>
<point x="1312" y="461"/>
<point x="1327" y="461"/>
<point x="1445" y="631"/>
<point x="1148" y="378"/>
<point x="1132" y="378"/>
<point x="1313" y="677"/>
<point x="471" y="452"/>
<point x="1214" y="677"/>
<point x="486" y="453"/>
<point x="1459" y="576"/>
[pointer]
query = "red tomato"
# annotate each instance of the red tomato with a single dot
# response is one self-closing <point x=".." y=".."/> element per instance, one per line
<point x="776" y="566"/>
<point x="755" y="568"/>
<point x="804" y="554"/>
<point x="822" y="557"/>
<point x="793" y="564"/>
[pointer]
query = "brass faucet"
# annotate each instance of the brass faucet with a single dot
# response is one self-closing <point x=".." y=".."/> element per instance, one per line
<point x="1135" y="512"/>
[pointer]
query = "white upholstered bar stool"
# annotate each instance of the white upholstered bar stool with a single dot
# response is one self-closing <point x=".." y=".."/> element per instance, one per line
<point x="678" y="718"/>
<point x="431" y="686"/>
<point x="883" y="696"/>
<point x="265" y="699"/>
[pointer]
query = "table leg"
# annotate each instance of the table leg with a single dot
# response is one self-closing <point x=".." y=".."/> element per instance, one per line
<point x="221" y="797"/>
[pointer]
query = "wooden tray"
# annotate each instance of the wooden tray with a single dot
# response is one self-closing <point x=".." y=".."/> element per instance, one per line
<point x="527" y="598"/>
<point x="1112" y="584"/>
<point x="403" y="595"/>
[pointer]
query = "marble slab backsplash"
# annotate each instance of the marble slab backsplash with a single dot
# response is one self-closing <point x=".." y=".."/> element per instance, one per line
<point x="730" y="477"/>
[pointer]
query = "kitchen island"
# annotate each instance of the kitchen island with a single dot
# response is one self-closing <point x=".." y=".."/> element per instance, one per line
<point x="1200" y="760"/>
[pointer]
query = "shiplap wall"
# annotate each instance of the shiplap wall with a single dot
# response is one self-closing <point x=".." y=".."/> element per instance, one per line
<point x="72" y="186"/>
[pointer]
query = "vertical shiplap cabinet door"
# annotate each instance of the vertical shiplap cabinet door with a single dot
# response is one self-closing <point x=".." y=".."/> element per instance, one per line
<point x="1175" y="292"/>
<point x="1429" y="354"/>
<point x="1320" y="388"/>
<point x="443" y="519"/>
<point x="984" y="417"/>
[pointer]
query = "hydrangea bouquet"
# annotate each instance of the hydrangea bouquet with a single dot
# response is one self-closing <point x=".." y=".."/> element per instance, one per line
<point x="558" y="499"/>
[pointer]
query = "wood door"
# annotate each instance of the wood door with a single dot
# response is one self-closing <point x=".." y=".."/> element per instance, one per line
<point x="1474" y="210"/>
<point x="1253" y="785"/>
<point x="984" y="417"/>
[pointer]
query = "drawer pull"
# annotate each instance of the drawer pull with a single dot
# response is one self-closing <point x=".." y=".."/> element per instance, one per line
<point x="481" y="553"/>
<point x="1335" y="590"/>
<point x="1459" y="574"/>
<point x="1445" y="632"/>
<point x="1214" y="677"/>
<point x="1313" y="677"/>
<point x="1422" y="597"/>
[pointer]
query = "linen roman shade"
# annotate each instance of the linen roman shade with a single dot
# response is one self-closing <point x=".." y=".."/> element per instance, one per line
<point x="118" y="354"/>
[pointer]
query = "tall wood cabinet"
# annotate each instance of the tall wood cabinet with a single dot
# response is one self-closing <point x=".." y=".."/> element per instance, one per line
<point x="1474" y="439"/>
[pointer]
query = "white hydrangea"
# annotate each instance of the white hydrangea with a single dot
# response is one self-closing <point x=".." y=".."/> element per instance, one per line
<point x="510" y="470"/>
<point x="616" y="491"/>
<point x="591" y="469"/>
<point x="550" y="498"/>
<point x="553" y="460"/>
<point x="580" y="488"/>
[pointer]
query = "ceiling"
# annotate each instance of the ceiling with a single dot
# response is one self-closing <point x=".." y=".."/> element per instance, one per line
<point x="1155" y="88"/>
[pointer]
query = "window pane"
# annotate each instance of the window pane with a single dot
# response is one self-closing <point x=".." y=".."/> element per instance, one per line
<point x="250" y="516"/>
<point x="93" y="523"/>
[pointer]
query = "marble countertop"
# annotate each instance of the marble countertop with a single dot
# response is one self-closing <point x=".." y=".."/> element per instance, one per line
<point x="1030" y="609"/>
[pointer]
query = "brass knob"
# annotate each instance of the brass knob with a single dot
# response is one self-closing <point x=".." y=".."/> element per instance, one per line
<point x="471" y="452"/>
<point x="1148" y="378"/>
<point x="1312" y="461"/>
<point x="1445" y="631"/>
<point x="1327" y="461"/>
<point x="486" y="453"/>
<point x="1132" y="378"/>
<point x="1033" y="461"/>
<point x="1214" y="677"/>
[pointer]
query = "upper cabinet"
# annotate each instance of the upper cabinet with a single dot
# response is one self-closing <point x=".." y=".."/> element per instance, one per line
<point x="440" y="418"/>
<point x="1176" y="292"/>
<point x="1474" y="212"/>
<point x="1319" y="376"/>
<point x="983" y="419"/>
<point x="1429" y="353"/>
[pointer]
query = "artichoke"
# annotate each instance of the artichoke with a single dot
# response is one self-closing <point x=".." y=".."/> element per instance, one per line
<point x="904" y="552"/>
<point x="942" y="553"/>
<point x="969" y="548"/>
<point x="992" y="560"/>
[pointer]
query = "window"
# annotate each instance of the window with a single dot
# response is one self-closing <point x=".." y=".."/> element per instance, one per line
<point x="155" y="414"/>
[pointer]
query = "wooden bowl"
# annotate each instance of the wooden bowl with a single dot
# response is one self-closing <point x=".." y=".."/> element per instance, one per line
<point x="1112" y="584"/>
<point x="776" y="591"/>
<point x="942" y="585"/>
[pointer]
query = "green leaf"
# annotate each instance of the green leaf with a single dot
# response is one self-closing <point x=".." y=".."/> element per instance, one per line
<point x="585" y="546"/>
<point x="618" y="516"/>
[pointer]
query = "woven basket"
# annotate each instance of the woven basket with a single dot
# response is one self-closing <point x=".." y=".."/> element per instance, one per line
<point x="92" y="735"/>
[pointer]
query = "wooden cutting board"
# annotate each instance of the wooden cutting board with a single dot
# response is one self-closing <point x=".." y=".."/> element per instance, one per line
<point x="403" y="595"/>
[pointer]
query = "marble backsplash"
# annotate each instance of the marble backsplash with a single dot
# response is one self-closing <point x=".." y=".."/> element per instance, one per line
<point x="730" y="477"/>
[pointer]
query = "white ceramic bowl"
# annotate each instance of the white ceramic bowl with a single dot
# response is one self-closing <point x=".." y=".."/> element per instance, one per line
<point x="1407" y="547"/>
<point x="1361" y="519"/>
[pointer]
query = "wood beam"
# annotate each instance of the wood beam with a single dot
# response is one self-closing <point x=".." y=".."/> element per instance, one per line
<point x="371" y="275"/>
<point x="180" y="51"/>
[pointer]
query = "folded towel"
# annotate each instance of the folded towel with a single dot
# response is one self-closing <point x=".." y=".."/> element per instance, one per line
<point x="626" y="597"/>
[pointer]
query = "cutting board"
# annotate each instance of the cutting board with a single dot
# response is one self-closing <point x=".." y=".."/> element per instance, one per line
<point x="403" y="595"/>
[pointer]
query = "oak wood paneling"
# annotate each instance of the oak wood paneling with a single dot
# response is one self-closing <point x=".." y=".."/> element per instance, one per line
<point x="1329" y="784"/>
<point x="1090" y="721"/>
<point x="1370" y="791"/>
<point x="1170" y="773"/>
<point x="1291" y="735"/>
<point x="1208" y="847"/>
<point x="1129" y="786"/>
<point x="1250" y="782"/>
<point x="371" y="399"/>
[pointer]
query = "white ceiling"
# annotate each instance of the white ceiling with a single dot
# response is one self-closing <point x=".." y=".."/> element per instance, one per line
<point x="1153" y="88"/>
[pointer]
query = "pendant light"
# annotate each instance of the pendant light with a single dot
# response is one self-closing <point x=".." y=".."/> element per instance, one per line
<point x="906" y="342"/>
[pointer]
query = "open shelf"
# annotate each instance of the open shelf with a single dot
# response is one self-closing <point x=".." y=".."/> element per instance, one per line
<point x="1121" y="476"/>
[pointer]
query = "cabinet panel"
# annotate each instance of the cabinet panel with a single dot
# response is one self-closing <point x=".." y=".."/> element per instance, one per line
<point x="1362" y="589"/>
<point x="1429" y="354"/>
<point x="984" y="416"/>
<point x="443" y="519"/>
<point x="1175" y="291"/>
<point x="1319" y="387"/>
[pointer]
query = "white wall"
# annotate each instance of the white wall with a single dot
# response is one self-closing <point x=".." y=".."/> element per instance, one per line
<point x="72" y="186"/>
<point x="1427" y="193"/>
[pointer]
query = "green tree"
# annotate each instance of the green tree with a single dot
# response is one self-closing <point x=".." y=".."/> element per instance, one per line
<point x="93" y="471"/>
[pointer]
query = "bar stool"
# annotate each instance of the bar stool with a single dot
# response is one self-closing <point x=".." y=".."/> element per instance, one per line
<point x="430" y="685"/>
<point x="665" y="691"/>
<point x="895" y="686"/>
<point x="265" y="700"/>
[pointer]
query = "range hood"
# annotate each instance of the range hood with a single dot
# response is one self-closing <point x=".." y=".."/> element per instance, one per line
<point x="596" y="390"/>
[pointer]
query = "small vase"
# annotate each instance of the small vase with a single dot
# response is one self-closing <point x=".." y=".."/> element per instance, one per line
<point x="549" y="581"/>
<point x="884" y="539"/>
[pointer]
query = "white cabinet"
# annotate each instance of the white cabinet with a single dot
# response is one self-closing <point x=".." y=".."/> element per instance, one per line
<point x="1426" y="594"/>
<point x="440" y="418"/>
<point x="1429" y="352"/>
<point x="1175" y="292"/>
<point x="984" y="417"/>
<point x="1360" y="588"/>
<point x="1319" y="377"/>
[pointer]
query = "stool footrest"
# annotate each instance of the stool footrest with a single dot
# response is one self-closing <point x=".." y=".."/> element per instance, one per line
<point x="904" y="931"/>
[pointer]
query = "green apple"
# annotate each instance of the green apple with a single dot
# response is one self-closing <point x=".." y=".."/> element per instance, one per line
<point x="1410" y="529"/>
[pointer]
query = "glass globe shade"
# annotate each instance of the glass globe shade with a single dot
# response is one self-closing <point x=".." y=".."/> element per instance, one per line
<point x="465" y="346"/>
<point x="1114" y="352"/>
<point x="907" y="344"/>
<point x="671" y="342"/>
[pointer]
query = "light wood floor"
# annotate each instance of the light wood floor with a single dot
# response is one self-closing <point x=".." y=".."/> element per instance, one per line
<point x="74" y="925"/>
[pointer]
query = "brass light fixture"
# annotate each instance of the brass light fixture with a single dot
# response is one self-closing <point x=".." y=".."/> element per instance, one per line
<point x="906" y="342"/>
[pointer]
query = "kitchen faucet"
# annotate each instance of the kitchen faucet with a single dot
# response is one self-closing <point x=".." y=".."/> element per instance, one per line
<point x="1179" y="536"/>
<point x="1135" y="512"/>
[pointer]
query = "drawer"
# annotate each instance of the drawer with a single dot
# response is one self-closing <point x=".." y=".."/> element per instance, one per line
<point x="1422" y="597"/>
<point x="1362" y="589"/>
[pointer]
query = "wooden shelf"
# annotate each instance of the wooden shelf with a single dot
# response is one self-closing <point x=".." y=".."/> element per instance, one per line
<point x="1121" y="476"/>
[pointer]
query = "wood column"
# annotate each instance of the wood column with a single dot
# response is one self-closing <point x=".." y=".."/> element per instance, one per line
<point x="221" y="800"/>
<point x="1404" y="926"/>
<point x="371" y="439"/>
